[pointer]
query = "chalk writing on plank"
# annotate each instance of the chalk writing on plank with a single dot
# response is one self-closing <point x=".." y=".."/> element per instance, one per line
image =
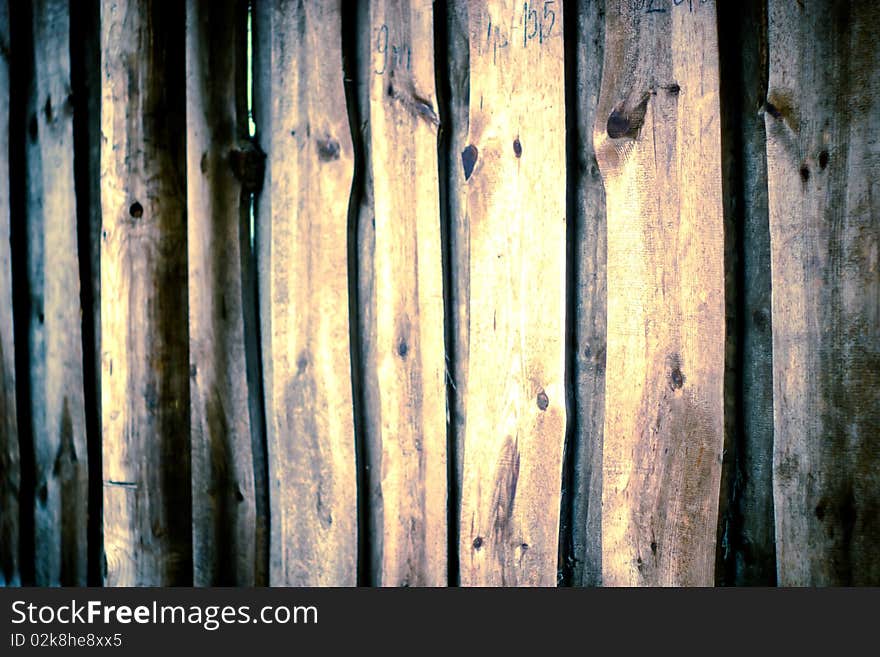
<point x="662" y="6"/>
<point x="390" y="55"/>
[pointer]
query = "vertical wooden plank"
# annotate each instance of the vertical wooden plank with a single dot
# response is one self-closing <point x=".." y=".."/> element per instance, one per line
<point x="224" y="513"/>
<point x="145" y="360"/>
<point x="454" y="134"/>
<point x="303" y="278"/>
<point x="514" y="166"/>
<point x="588" y="230"/>
<point x="407" y="435"/>
<point x="85" y="55"/>
<point x="10" y="475"/>
<point x="747" y="532"/>
<point x="657" y="138"/>
<point x="358" y="72"/>
<point x="823" y="129"/>
<point x="55" y="338"/>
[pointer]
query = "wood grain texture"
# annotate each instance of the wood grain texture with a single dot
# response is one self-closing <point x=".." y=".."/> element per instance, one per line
<point x="85" y="56"/>
<point x="57" y="406"/>
<point x="10" y="472"/>
<point x="823" y="131"/>
<point x="454" y="139"/>
<point x="224" y="508"/>
<point x="747" y="552"/>
<point x="303" y="280"/>
<point x="514" y="166"/>
<point x="407" y="435"/>
<point x="588" y="231"/>
<point x="145" y="360"/>
<point x="657" y="140"/>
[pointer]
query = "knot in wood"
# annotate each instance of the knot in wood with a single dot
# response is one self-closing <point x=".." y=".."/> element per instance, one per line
<point x="248" y="164"/>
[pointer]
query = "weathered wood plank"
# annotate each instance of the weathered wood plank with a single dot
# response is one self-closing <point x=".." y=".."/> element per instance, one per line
<point x="406" y="367"/>
<point x="588" y="231"/>
<point x="746" y="529"/>
<point x="57" y="406"/>
<point x="218" y="150"/>
<point x="10" y="474"/>
<point x="303" y="278"/>
<point x="145" y="360"/>
<point x="85" y="55"/>
<point x="514" y="166"/>
<point x="658" y="146"/>
<point x="454" y="139"/>
<point x="823" y="130"/>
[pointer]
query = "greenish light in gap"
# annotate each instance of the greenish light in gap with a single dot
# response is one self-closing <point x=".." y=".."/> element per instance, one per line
<point x="252" y="127"/>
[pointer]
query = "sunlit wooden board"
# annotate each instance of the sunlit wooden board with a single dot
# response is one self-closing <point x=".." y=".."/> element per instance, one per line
<point x="144" y="342"/>
<point x="405" y="363"/>
<point x="302" y="244"/>
<point x="657" y="138"/>
<point x="514" y="170"/>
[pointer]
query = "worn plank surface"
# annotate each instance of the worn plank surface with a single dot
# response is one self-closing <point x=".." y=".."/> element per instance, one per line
<point x="406" y="364"/>
<point x="746" y="552"/>
<point x="587" y="231"/>
<point x="514" y="166"/>
<point x="657" y="139"/>
<point x="10" y="474"/>
<point x="224" y="508"/>
<point x="85" y="74"/>
<point x="454" y="138"/>
<point x="57" y="407"/>
<point x="145" y="361"/>
<point x="823" y="154"/>
<point x="303" y="280"/>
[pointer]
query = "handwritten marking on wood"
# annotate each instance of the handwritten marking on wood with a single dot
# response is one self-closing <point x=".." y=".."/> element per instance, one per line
<point x="407" y="358"/>
<point x="658" y="146"/>
<point x="515" y="406"/>
<point x="10" y="473"/>
<point x="56" y="367"/>
<point x="303" y="280"/>
<point x="224" y="512"/>
<point x="823" y="125"/>
<point x="145" y="362"/>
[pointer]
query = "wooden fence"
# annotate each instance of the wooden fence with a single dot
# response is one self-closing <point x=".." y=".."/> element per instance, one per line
<point x="499" y="292"/>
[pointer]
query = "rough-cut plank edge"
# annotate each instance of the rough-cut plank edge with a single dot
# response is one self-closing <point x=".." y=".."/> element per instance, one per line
<point x="145" y="362"/>
<point x="454" y="131"/>
<point x="582" y="560"/>
<point x="408" y="442"/>
<point x="56" y="371"/>
<point x="664" y="382"/>
<point x="85" y="55"/>
<point x="218" y="158"/>
<point x="356" y="37"/>
<point x="9" y="458"/>
<point x="303" y="211"/>
<point x="823" y="120"/>
<point x="514" y="166"/>
<point x="746" y="553"/>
